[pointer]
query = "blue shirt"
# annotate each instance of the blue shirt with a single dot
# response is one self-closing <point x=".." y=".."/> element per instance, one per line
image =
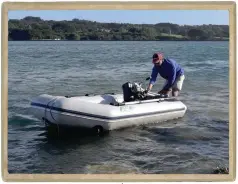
<point x="169" y="70"/>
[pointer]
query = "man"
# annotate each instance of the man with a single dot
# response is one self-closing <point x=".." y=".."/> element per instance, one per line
<point x="169" y="70"/>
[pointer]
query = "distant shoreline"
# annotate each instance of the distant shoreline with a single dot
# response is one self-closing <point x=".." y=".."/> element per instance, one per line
<point x="34" y="28"/>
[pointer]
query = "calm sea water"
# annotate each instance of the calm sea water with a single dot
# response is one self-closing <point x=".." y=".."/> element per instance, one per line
<point x="196" y="143"/>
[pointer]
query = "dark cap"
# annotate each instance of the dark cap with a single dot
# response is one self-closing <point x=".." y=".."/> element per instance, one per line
<point x="156" y="55"/>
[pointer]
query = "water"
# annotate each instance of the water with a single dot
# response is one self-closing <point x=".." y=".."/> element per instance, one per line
<point x="197" y="143"/>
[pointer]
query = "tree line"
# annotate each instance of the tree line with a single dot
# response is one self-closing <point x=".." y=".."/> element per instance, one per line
<point x="34" y="28"/>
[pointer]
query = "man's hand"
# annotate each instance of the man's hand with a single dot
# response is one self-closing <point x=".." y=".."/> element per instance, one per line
<point x="149" y="88"/>
<point x="147" y="91"/>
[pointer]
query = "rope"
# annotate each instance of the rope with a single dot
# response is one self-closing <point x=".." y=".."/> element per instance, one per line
<point x="47" y="106"/>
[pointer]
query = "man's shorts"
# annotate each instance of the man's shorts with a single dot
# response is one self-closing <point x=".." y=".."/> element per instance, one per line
<point x="178" y="84"/>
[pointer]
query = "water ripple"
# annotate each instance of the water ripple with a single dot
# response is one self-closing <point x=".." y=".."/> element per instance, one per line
<point x="196" y="143"/>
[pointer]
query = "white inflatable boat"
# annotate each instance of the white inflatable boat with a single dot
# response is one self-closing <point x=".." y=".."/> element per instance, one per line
<point x="105" y="112"/>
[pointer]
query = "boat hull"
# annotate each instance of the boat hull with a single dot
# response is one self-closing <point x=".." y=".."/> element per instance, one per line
<point x="96" y="111"/>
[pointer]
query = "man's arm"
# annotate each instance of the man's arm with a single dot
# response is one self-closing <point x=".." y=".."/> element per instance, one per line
<point x="153" y="78"/>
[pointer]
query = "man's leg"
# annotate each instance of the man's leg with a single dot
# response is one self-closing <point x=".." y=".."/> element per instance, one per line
<point x="175" y="92"/>
<point x="177" y="87"/>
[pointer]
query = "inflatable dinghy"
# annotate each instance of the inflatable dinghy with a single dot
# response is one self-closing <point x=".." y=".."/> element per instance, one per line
<point x="107" y="111"/>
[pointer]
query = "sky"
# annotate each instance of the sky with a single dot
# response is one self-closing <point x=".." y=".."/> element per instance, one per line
<point x="181" y="17"/>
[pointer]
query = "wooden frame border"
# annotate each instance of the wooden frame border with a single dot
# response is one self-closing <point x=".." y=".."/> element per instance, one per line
<point x="212" y="5"/>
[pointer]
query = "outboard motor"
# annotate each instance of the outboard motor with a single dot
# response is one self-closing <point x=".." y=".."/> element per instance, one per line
<point x="128" y="95"/>
<point x="132" y="92"/>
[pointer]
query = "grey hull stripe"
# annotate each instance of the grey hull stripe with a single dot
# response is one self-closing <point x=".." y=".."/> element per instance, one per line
<point x="103" y="117"/>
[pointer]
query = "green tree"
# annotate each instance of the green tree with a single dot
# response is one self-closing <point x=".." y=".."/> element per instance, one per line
<point x="195" y="33"/>
<point x="30" y="28"/>
<point x="72" y="36"/>
<point x="17" y="34"/>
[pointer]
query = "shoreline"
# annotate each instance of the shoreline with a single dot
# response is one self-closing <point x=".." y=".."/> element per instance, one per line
<point x="36" y="29"/>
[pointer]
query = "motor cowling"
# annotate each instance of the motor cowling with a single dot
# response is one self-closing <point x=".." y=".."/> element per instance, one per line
<point x="127" y="92"/>
<point x="132" y="92"/>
